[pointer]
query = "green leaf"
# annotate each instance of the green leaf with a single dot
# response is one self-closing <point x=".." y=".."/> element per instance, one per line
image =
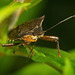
<point x="52" y="59"/>
<point x="34" y="3"/>
<point x="68" y="70"/>
<point x="6" y="11"/>
<point x="11" y="64"/>
<point x="4" y="2"/>
<point x="37" y="69"/>
<point x="72" y="52"/>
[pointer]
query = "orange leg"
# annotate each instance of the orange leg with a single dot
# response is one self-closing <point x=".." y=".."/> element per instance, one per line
<point x="24" y="43"/>
<point x="53" y="39"/>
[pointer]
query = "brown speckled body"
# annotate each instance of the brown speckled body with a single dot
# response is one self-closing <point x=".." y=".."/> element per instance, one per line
<point x="33" y="28"/>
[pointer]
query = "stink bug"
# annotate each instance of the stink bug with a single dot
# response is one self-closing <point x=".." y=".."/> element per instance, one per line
<point x="31" y="31"/>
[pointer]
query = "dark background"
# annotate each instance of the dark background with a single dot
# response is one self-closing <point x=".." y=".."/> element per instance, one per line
<point x="54" y="11"/>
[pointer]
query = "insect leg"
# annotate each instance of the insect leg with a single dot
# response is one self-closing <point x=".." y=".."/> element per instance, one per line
<point x="29" y="48"/>
<point x="53" y="39"/>
<point x="10" y="44"/>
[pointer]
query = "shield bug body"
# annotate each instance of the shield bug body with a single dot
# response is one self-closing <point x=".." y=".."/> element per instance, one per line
<point x="31" y="31"/>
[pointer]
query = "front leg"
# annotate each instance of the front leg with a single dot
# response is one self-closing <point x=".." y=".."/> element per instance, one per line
<point x="53" y="39"/>
<point x="10" y="44"/>
<point x="27" y="44"/>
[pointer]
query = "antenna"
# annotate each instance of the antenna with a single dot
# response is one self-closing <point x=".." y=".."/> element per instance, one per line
<point x="60" y="23"/>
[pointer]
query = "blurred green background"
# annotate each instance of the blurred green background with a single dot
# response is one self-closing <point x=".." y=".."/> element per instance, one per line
<point x="51" y="64"/>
